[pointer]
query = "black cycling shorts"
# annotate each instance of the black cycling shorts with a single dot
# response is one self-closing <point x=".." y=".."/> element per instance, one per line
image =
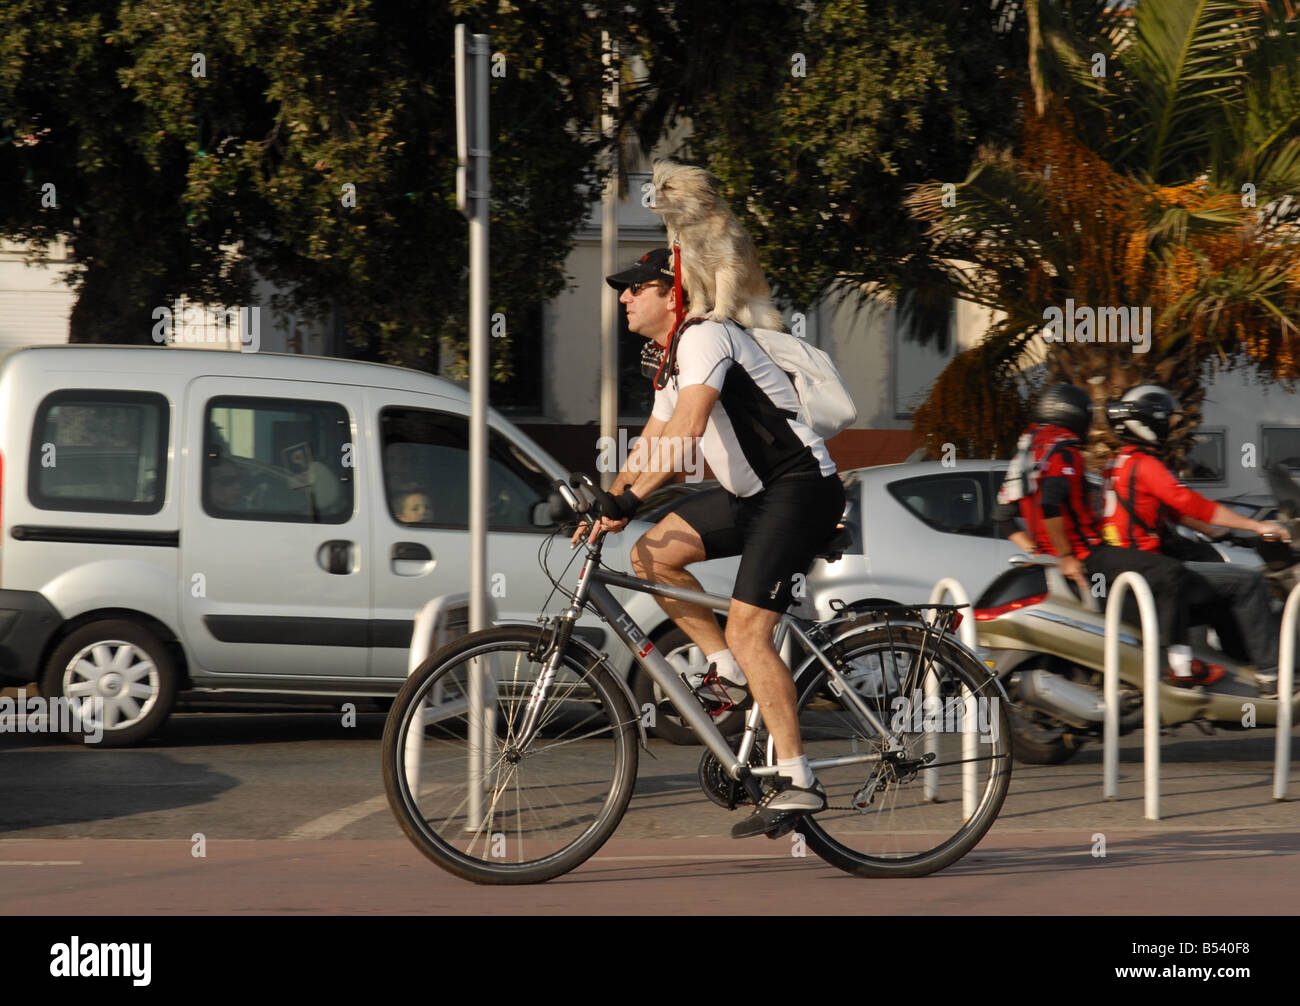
<point x="777" y="532"/>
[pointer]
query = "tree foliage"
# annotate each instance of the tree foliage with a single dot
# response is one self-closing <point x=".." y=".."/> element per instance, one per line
<point x="817" y="117"/>
<point x="1158" y="185"/>
<point x="162" y="173"/>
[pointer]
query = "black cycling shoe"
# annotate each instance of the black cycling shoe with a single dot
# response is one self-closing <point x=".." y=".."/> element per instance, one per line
<point x="780" y="809"/>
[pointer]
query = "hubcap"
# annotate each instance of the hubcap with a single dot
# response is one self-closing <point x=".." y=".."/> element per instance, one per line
<point x="118" y="672"/>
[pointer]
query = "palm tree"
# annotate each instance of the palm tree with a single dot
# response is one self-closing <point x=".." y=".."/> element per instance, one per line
<point x="1157" y="147"/>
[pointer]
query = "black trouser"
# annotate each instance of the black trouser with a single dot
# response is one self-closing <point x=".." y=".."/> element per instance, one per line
<point x="1167" y="577"/>
<point x="1221" y="590"/>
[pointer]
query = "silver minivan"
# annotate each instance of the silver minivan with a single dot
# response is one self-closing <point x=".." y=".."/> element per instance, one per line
<point x="184" y="519"/>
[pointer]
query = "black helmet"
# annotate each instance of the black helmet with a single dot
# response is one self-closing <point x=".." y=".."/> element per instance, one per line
<point x="1065" y="405"/>
<point x="1142" y="416"/>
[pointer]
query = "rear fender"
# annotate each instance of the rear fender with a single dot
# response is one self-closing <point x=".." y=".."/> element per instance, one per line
<point x="952" y="647"/>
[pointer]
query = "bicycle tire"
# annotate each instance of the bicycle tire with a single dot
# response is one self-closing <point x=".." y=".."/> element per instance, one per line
<point x="903" y="832"/>
<point x="547" y="808"/>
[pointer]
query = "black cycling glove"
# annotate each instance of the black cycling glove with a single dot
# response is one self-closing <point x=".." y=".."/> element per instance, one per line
<point x="620" y="507"/>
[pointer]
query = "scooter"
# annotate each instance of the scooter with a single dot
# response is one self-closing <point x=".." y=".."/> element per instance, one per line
<point x="1045" y="639"/>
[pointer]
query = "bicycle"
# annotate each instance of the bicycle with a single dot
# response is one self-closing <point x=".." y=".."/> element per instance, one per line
<point x="526" y="754"/>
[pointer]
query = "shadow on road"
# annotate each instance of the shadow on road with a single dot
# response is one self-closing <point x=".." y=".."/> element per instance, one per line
<point x="99" y="785"/>
<point x="1171" y="849"/>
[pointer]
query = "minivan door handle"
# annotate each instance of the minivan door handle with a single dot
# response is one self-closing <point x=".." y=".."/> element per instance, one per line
<point x="410" y="558"/>
<point x="335" y="557"/>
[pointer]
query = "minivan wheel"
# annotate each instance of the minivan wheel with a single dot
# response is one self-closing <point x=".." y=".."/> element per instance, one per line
<point x="126" y="666"/>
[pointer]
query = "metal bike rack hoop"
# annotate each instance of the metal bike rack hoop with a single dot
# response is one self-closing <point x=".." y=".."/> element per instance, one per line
<point x="969" y="737"/>
<point x="1285" y="692"/>
<point x="1150" y="690"/>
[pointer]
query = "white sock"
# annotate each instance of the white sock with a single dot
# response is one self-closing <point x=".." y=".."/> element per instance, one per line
<point x="1180" y="660"/>
<point x="728" y="669"/>
<point x="796" y="770"/>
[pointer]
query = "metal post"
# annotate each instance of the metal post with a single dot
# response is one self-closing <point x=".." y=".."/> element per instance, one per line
<point x="1285" y="693"/>
<point x="1150" y="690"/>
<point x="474" y="139"/>
<point x="970" y="741"/>
<point x="609" y="306"/>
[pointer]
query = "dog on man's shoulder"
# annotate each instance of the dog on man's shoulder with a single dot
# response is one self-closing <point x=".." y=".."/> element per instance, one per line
<point x="720" y="269"/>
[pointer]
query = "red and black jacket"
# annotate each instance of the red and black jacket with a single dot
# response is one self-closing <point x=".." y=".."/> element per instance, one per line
<point x="1059" y="491"/>
<point x="1142" y="496"/>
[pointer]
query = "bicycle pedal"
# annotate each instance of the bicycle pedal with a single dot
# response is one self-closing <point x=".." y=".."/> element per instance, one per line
<point x="783" y="827"/>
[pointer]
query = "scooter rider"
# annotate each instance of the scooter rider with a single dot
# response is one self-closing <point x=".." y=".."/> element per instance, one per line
<point x="1059" y="514"/>
<point x="1143" y="495"/>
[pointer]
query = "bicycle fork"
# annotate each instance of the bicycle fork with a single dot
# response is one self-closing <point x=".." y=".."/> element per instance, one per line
<point x="541" y="690"/>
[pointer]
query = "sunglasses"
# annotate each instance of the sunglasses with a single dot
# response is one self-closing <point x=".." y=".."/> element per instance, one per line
<point x="636" y="288"/>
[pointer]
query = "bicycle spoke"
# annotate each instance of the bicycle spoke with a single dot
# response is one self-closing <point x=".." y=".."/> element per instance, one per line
<point x="557" y="798"/>
<point x="914" y="820"/>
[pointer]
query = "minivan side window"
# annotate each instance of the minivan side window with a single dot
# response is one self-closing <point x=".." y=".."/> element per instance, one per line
<point x="426" y="473"/>
<point x="277" y="459"/>
<point x="99" y="451"/>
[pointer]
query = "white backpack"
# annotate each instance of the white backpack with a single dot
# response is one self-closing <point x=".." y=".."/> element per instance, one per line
<point x="825" y="404"/>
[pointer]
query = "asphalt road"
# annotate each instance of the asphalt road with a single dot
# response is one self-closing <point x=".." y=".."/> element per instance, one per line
<point x="289" y="814"/>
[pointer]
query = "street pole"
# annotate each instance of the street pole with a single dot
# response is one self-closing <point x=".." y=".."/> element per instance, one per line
<point x="473" y="141"/>
<point x="609" y="306"/>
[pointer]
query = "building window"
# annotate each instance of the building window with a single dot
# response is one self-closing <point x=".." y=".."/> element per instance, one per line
<point x="521" y="394"/>
<point x="1205" y="458"/>
<point x="1281" y="443"/>
<point x="917" y="365"/>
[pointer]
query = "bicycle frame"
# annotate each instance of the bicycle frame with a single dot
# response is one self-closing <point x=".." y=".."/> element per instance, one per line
<point x="593" y="590"/>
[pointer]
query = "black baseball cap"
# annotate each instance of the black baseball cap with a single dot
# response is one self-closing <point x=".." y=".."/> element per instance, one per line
<point x="652" y="265"/>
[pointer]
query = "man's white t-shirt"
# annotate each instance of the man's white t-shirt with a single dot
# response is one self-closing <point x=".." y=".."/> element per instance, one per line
<point x="752" y="436"/>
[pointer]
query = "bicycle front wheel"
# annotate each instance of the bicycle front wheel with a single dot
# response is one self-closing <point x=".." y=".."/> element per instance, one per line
<point x="918" y="798"/>
<point x="478" y="802"/>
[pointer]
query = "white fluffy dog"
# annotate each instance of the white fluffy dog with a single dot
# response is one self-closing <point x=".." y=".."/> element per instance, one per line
<point x="720" y="269"/>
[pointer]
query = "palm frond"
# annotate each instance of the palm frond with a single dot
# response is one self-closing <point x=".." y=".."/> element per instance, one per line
<point x="1188" y="64"/>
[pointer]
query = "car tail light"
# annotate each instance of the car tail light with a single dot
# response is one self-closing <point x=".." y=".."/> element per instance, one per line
<point x="987" y="614"/>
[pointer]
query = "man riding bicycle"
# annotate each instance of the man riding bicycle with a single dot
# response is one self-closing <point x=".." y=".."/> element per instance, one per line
<point x="779" y="502"/>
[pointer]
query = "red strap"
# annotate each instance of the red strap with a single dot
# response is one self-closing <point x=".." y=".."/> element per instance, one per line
<point x="680" y="308"/>
<point x="679" y="311"/>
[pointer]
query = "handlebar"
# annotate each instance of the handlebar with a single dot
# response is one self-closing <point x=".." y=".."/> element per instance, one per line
<point x="601" y="500"/>
<point x="590" y="502"/>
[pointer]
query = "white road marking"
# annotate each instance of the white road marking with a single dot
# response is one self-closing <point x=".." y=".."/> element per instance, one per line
<point x="335" y="821"/>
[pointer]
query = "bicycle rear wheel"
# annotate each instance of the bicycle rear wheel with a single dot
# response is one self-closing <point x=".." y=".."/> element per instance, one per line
<point x="916" y="809"/>
<point x="473" y="800"/>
